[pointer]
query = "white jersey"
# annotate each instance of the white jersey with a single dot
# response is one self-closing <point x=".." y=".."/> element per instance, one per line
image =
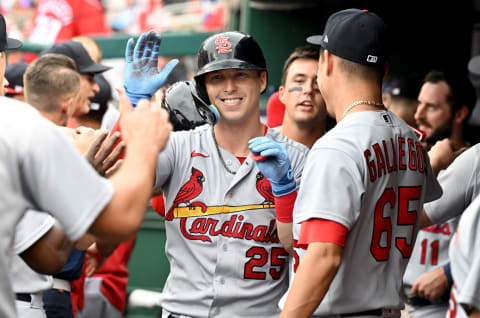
<point x="40" y="169"/>
<point x="370" y="174"/>
<point x="30" y="229"/>
<point x="225" y="256"/>
<point x="465" y="263"/>
<point x="461" y="181"/>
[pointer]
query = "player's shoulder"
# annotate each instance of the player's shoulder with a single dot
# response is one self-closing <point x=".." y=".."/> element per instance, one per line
<point x="291" y="145"/>
<point x="198" y="132"/>
<point x="19" y="119"/>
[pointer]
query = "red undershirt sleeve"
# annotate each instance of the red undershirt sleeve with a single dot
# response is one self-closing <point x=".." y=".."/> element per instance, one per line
<point x="284" y="207"/>
<point x="321" y="230"/>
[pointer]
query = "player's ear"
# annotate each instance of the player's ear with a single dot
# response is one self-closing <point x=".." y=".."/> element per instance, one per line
<point x="281" y="94"/>
<point x="65" y="107"/>
<point x="263" y="79"/>
<point x="329" y="62"/>
<point x="461" y="114"/>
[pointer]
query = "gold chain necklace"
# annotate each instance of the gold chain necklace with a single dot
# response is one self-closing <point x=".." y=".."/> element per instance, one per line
<point x="361" y="102"/>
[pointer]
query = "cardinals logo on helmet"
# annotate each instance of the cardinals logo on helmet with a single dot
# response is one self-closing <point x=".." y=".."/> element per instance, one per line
<point x="264" y="188"/>
<point x="223" y="45"/>
<point x="189" y="191"/>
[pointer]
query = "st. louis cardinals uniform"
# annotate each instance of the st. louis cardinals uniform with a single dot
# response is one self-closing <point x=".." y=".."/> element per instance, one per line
<point x="370" y="174"/>
<point x="25" y="280"/>
<point x="429" y="253"/>
<point x="460" y="184"/>
<point x="225" y="256"/>
<point x="36" y="172"/>
<point x="465" y="264"/>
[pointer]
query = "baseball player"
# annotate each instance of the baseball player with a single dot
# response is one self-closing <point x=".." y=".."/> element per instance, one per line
<point x="225" y="256"/>
<point x="427" y="278"/>
<point x="305" y="113"/>
<point x="465" y="296"/>
<point x="36" y="172"/>
<point x="39" y="237"/>
<point x="365" y="181"/>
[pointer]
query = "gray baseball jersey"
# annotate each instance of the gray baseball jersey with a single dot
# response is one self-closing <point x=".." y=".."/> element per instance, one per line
<point x="460" y="185"/>
<point x="370" y="174"/>
<point x="465" y="263"/>
<point x="461" y="181"/>
<point x="40" y="169"/>
<point x="30" y="229"/>
<point x="225" y="256"/>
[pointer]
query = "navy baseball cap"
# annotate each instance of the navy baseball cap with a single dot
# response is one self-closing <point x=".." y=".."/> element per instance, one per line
<point x="14" y="75"/>
<point x="7" y="43"/>
<point x="407" y="87"/>
<point x="79" y="54"/>
<point x="99" y="102"/>
<point x="355" y="35"/>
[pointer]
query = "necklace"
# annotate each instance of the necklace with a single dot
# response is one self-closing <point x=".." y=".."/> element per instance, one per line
<point x="360" y="102"/>
<point x="220" y="154"/>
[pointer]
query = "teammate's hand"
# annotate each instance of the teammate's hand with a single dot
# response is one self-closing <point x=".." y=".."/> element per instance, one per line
<point x="93" y="260"/>
<point x="142" y="78"/>
<point x="431" y="285"/>
<point x="276" y="167"/>
<point x="442" y="154"/>
<point x="102" y="155"/>
<point x="145" y="128"/>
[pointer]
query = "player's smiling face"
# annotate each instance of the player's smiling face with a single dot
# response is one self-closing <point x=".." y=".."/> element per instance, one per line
<point x="236" y="93"/>
<point x="303" y="102"/>
<point x="434" y="115"/>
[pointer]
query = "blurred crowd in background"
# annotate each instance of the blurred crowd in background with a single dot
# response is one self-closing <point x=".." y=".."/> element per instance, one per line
<point x="49" y="21"/>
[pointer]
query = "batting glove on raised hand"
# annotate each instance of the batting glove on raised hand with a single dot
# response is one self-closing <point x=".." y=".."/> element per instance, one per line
<point x="142" y="78"/>
<point x="276" y="167"/>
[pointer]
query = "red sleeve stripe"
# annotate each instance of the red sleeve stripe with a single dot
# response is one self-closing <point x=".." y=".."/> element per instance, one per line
<point x="284" y="207"/>
<point x="321" y="230"/>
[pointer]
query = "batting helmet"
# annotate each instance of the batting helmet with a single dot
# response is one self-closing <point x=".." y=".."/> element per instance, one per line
<point x="186" y="108"/>
<point x="229" y="50"/>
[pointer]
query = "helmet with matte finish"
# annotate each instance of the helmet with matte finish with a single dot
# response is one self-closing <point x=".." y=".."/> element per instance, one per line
<point x="186" y="108"/>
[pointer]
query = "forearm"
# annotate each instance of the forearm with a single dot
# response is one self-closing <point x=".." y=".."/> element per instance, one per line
<point x="312" y="280"/>
<point x="424" y="220"/>
<point x="284" y="211"/>
<point x="285" y="235"/>
<point x="50" y="253"/>
<point x="475" y="314"/>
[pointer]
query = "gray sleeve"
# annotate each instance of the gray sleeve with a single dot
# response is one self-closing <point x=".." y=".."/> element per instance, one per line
<point x="470" y="289"/>
<point x="165" y="163"/>
<point x="60" y="181"/>
<point x="460" y="184"/>
<point x="32" y="226"/>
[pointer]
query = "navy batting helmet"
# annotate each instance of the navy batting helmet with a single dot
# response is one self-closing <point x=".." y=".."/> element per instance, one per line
<point x="186" y="108"/>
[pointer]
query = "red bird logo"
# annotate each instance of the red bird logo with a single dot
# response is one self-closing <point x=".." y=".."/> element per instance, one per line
<point x="265" y="188"/>
<point x="190" y="190"/>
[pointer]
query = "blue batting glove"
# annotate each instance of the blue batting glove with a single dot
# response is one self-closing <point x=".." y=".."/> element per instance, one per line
<point x="276" y="168"/>
<point x="142" y="78"/>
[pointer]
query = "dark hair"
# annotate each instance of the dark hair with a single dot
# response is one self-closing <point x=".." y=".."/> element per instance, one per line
<point x="374" y="73"/>
<point x="302" y="52"/>
<point x="461" y="93"/>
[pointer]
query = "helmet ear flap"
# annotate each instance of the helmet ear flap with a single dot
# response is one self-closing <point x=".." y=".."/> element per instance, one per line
<point x="186" y="108"/>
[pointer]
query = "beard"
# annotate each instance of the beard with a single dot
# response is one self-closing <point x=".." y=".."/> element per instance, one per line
<point x="442" y="132"/>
